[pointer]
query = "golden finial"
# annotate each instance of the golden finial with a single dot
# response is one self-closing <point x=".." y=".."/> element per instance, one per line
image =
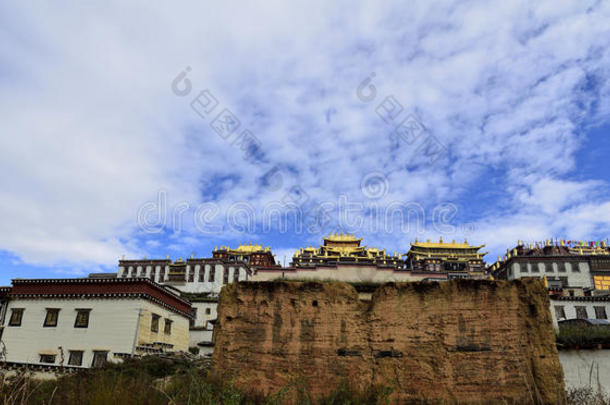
<point x="167" y="256"/>
<point x="192" y="255"/>
<point x="531" y="246"/>
<point x="465" y="241"/>
<point x="427" y="240"/>
<point x="499" y="259"/>
<point x="518" y="242"/>
<point x="123" y="257"/>
<point x="415" y="240"/>
<point x="453" y="241"/>
<point x="441" y="240"/>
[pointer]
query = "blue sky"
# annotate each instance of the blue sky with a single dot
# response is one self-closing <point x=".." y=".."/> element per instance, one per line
<point x="290" y="121"/>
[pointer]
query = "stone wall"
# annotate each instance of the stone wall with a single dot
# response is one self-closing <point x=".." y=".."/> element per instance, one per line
<point x="461" y="341"/>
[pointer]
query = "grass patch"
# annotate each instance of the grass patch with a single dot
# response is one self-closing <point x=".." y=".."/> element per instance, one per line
<point x="156" y="381"/>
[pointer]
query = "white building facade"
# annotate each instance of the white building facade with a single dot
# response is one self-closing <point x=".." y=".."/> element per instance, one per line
<point x="86" y="322"/>
<point x="198" y="280"/>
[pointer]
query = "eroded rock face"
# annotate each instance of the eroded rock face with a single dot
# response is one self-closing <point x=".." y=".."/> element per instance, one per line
<point x="461" y="341"/>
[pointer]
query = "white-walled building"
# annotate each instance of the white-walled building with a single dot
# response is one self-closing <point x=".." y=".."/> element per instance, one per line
<point x="578" y="277"/>
<point x="198" y="280"/>
<point x="86" y="322"/>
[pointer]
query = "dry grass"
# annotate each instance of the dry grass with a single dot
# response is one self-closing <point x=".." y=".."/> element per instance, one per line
<point x="158" y="381"/>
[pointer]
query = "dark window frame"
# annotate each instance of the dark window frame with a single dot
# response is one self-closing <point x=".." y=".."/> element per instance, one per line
<point x="167" y="326"/>
<point x="575" y="268"/>
<point x="73" y="356"/>
<point x="48" y="319"/>
<point x="48" y="358"/>
<point x="98" y="360"/>
<point x="82" y="324"/>
<point x="580" y="310"/>
<point x="16" y="320"/>
<point x="208" y="311"/>
<point x="154" y="323"/>
<point x="212" y="276"/>
<point x="560" y="312"/>
<point x="193" y="313"/>
<point x="600" y="312"/>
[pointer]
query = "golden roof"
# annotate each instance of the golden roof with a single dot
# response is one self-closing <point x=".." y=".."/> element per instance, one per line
<point x="342" y="238"/>
<point x="442" y="245"/>
<point x="244" y="249"/>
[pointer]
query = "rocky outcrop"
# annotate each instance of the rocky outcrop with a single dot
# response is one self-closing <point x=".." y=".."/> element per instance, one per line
<point x="463" y="341"/>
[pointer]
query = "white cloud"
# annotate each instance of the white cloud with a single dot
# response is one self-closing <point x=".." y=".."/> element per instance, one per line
<point x="91" y="130"/>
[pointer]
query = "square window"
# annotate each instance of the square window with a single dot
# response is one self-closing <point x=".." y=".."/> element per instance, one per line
<point x="47" y="358"/>
<point x="167" y="328"/>
<point x="82" y="318"/>
<point x="575" y="268"/>
<point x="154" y="323"/>
<point x="50" y="320"/>
<point x="212" y="274"/>
<point x="581" y="312"/>
<point x="207" y="311"/>
<point x="99" y="358"/>
<point x="76" y="358"/>
<point x="560" y="312"/>
<point x="600" y="313"/>
<point x="534" y="267"/>
<point x="16" y="317"/>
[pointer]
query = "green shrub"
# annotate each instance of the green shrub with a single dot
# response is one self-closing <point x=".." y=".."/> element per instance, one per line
<point x="573" y="336"/>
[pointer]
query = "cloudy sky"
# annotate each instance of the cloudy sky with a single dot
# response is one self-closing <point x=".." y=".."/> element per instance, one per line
<point x="153" y="130"/>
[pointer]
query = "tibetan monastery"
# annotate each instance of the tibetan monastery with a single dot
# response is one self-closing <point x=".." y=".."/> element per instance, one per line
<point x="253" y="255"/>
<point x="457" y="260"/>
<point x="344" y="249"/>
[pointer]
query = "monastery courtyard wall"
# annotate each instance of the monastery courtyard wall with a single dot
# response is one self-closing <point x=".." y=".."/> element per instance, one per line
<point x="465" y="341"/>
